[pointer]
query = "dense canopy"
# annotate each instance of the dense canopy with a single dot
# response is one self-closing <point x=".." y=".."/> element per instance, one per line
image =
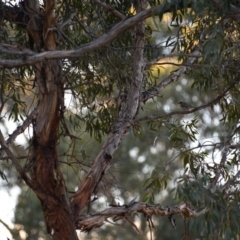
<point x="128" y="112"/>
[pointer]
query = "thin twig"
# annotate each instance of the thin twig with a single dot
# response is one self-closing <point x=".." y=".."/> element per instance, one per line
<point x="79" y="85"/>
<point x="64" y="36"/>
<point x="152" y="118"/>
<point x="20" y="129"/>
<point x="16" y="50"/>
<point x="8" y="228"/>
<point x="6" y="157"/>
<point x="91" y="35"/>
<point x="224" y="153"/>
<point x="2" y="91"/>
<point x="154" y="91"/>
<point x="15" y="162"/>
<point x="111" y="9"/>
<point x="68" y="21"/>
<point x="230" y="181"/>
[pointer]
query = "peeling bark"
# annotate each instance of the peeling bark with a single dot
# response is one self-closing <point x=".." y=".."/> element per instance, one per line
<point x="129" y="110"/>
<point x="62" y="215"/>
<point x="46" y="174"/>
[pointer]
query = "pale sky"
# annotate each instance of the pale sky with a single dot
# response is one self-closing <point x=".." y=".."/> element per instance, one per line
<point x="7" y="206"/>
<point x="8" y="198"/>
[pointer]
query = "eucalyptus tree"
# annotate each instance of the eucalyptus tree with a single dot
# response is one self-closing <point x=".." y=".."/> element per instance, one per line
<point x="102" y="54"/>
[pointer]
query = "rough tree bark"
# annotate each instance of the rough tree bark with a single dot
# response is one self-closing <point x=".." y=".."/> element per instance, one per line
<point x="128" y="111"/>
<point x="61" y="214"/>
<point x="47" y="179"/>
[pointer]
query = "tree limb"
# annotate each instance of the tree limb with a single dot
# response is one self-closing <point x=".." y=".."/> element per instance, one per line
<point x="26" y="15"/>
<point x="11" y="230"/>
<point x="147" y="118"/>
<point x="95" y="44"/>
<point x="129" y="109"/>
<point x="20" y="129"/>
<point x="15" y="162"/>
<point x="225" y="151"/>
<point x="107" y="37"/>
<point x="111" y="9"/>
<point x="88" y="222"/>
<point x="231" y="181"/>
<point x="154" y="91"/>
<point x="16" y="50"/>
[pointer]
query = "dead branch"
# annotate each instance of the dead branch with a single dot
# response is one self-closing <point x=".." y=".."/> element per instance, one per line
<point x="88" y="222"/>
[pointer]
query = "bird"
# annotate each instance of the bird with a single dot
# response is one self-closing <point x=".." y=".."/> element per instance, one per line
<point x="185" y="106"/>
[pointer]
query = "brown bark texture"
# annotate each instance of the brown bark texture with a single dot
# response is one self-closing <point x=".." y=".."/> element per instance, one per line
<point x="129" y="109"/>
<point x="47" y="179"/>
<point x="62" y="213"/>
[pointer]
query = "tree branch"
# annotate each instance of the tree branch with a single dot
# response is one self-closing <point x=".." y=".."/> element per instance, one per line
<point x="106" y="38"/>
<point x="20" y="129"/>
<point x="152" y="118"/>
<point x="154" y="91"/>
<point x="95" y="44"/>
<point x="16" y="50"/>
<point x="111" y="9"/>
<point x="27" y="16"/>
<point x="231" y="181"/>
<point x="235" y="146"/>
<point x="129" y="109"/>
<point x="15" y="162"/>
<point x="11" y="230"/>
<point x="88" y="222"/>
<point x="225" y="151"/>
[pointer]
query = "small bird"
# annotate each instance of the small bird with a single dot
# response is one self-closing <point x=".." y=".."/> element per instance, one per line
<point x="185" y="106"/>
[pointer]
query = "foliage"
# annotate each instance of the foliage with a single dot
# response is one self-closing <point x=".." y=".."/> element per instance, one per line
<point x="170" y="155"/>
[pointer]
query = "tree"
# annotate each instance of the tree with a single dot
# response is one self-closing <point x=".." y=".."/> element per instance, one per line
<point x="105" y="55"/>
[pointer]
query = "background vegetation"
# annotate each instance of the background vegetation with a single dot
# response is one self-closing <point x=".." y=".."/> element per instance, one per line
<point x="167" y="156"/>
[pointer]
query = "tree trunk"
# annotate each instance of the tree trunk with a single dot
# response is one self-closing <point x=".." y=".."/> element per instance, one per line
<point x="47" y="178"/>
